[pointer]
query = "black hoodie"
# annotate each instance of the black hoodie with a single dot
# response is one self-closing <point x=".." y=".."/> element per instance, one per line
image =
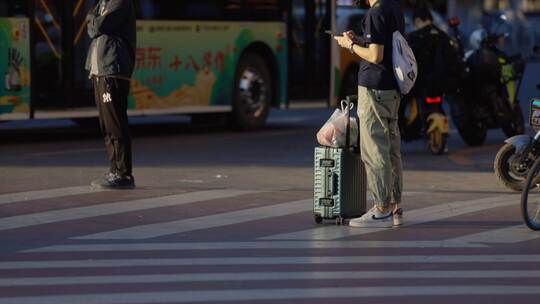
<point x="111" y="25"/>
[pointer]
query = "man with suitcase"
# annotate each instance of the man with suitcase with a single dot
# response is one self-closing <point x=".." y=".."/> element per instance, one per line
<point x="378" y="105"/>
<point x="110" y="62"/>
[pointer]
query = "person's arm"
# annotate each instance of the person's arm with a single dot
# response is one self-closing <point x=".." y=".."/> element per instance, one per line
<point x="374" y="36"/>
<point x="117" y="11"/>
<point x="373" y="54"/>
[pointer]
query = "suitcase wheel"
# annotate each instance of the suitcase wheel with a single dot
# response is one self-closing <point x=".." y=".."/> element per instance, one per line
<point x="341" y="221"/>
<point x="318" y="219"/>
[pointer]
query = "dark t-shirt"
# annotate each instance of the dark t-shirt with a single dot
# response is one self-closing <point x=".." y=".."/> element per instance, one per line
<point x="378" y="26"/>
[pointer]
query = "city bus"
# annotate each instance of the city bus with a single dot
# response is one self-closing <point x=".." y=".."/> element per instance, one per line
<point x="204" y="58"/>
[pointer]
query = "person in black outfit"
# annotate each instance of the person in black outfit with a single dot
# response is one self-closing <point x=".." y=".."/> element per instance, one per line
<point x="110" y="62"/>
<point x="438" y="59"/>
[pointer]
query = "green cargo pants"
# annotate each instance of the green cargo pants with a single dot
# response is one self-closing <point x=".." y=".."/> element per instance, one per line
<point x="380" y="144"/>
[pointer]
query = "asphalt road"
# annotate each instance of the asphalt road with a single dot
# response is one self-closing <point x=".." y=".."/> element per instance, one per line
<point x="226" y="217"/>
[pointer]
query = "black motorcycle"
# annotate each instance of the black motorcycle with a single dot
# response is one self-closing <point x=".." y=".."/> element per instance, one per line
<point x="515" y="158"/>
<point x="488" y="92"/>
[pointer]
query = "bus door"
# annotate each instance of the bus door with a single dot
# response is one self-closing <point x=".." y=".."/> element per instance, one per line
<point x="310" y="48"/>
<point x="60" y="45"/>
<point x="14" y="60"/>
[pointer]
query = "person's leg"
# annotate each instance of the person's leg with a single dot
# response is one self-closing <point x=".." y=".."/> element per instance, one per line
<point x="397" y="170"/>
<point x="395" y="156"/>
<point x="120" y="128"/>
<point x="115" y="121"/>
<point x="373" y="113"/>
<point x="100" y="87"/>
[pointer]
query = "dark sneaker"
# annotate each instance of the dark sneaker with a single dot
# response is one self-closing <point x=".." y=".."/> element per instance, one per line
<point x="114" y="181"/>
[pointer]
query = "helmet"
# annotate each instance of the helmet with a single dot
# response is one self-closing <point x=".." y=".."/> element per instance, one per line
<point x="477" y="38"/>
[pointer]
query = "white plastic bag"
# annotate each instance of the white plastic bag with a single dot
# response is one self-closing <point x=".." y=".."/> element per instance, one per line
<point x="333" y="132"/>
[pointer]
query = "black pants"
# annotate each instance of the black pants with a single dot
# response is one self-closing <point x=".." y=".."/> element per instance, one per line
<point x="111" y="96"/>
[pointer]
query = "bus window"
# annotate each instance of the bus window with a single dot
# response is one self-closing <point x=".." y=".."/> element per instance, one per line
<point x="48" y="53"/>
<point x="309" y="66"/>
<point x="254" y="9"/>
<point x="4" y="9"/>
<point x="10" y="8"/>
<point x="183" y="10"/>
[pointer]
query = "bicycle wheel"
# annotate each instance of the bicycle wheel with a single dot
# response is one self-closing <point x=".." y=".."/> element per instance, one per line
<point x="530" y="198"/>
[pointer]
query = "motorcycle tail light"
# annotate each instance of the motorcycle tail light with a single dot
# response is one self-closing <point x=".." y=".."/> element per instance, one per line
<point x="431" y="100"/>
<point x="454" y="21"/>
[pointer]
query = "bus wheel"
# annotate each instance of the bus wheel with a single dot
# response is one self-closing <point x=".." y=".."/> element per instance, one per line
<point x="252" y="93"/>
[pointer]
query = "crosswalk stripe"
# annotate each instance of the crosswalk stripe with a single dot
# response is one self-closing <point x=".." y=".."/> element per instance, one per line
<point x="204" y="222"/>
<point x="412" y="217"/>
<point x="211" y="221"/>
<point x="277" y="294"/>
<point x="401" y="259"/>
<point x="253" y="245"/>
<point x="268" y="276"/>
<point x="55" y="216"/>
<point x="9" y="198"/>
<point x="507" y="235"/>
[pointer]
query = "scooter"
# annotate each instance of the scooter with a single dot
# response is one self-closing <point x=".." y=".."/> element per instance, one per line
<point x="424" y="121"/>
<point x="488" y="92"/>
<point x="515" y="158"/>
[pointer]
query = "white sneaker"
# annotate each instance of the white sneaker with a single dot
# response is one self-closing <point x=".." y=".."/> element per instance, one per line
<point x="397" y="217"/>
<point x="373" y="219"/>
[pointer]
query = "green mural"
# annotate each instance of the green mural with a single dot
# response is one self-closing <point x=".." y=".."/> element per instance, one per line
<point x="182" y="64"/>
<point x="14" y="66"/>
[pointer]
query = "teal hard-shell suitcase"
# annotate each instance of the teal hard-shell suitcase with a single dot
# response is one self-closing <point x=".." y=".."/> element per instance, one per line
<point x="340" y="184"/>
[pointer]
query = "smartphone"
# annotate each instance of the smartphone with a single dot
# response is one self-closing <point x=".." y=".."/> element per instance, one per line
<point x="332" y="34"/>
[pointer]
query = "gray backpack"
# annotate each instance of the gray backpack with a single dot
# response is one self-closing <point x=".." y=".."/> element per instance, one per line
<point x="404" y="63"/>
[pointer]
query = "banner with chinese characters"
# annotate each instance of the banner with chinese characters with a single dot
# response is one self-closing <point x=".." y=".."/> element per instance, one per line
<point x="15" y="67"/>
<point x="193" y="63"/>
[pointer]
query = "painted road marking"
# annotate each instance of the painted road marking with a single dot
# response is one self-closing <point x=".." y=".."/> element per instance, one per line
<point x="9" y="198"/>
<point x="56" y="216"/>
<point x="268" y="276"/>
<point x="204" y="222"/>
<point x="312" y="260"/>
<point x="278" y="294"/>
<point x="412" y="217"/>
<point x="508" y="235"/>
<point x="253" y="245"/>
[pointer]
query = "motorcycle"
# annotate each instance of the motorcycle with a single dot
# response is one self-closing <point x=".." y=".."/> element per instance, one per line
<point x="515" y="158"/>
<point x="421" y="114"/>
<point x="488" y="92"/>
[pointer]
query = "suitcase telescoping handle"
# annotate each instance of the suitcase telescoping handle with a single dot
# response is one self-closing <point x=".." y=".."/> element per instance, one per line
<point x="349" y="100"/>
